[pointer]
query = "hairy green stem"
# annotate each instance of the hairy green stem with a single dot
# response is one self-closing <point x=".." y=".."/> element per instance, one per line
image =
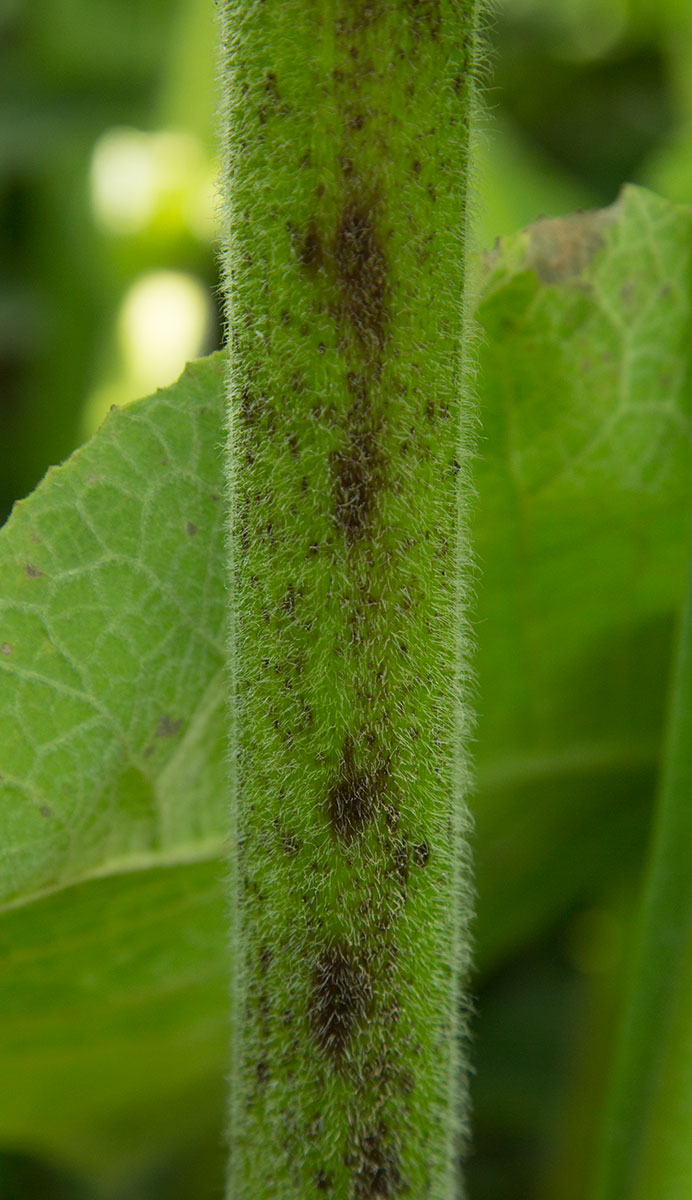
<point x="346" y="188"/>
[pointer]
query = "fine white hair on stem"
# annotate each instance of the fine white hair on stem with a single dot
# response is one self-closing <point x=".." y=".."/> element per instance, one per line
<point x="346" y="137"/>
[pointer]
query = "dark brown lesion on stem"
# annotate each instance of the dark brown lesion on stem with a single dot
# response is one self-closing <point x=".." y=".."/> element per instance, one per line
<point x="311" y="251"/>
<point x="426" y="17"/>
<point x="357" y="466"/>
<point x="353" y="259"/>
<point x="361" y="277"/>
<point x="361" y="272"/>
<point x="377" y="1171"/>
<point x="355" y="793"/>
<point x="340" y="998"/>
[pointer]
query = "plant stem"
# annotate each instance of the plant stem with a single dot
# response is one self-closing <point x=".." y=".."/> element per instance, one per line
<point x="346" y="206"/>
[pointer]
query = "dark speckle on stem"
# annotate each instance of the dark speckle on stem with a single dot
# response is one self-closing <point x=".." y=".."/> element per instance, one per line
<point x="310" y="252"/>
<point x="339" y="1000"/>
<point x="377" y="1174"/>
<point x="426" y="16"/>
<point x="358" y="465"/>
<point x="355" y="794"/>
<point x="421" y="854"/>
<point x="356" y="468"/>
<point x="361" y="272"/>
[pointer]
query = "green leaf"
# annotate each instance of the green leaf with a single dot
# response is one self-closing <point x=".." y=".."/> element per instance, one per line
<point x="112" y="962"/>
<point x="647" y="1149"/>
<point x="111" y="650"/>
<point x="112" y="950"/>
<point x="585" y="488"/>
<point x="114" y="1018"/>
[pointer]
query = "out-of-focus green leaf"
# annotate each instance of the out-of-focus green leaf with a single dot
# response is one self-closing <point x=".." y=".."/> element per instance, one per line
<point x="114" y="1024"/>
<point x="585" y="489"/>
<point x="539" y="188"/>
<point x="647" y="1148"/>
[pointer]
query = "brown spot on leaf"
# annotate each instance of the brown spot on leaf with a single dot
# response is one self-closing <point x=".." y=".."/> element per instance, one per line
<point x="32" y="572"/>
<point x="561" y="248"/>
<point x="5" y="648"/>
<point x="166" y="727"/>
<point x="46" y="811"/>
<point x="191" y="529"/>
<point x="355" y="793"/>
<point x="340" y="998"/>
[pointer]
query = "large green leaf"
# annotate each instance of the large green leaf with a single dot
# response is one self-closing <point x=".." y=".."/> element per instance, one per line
<point x="111" y="616"/>
<point x="647" y="1150"/>
<point x="112" y="709"/>
<point x="114" y="1026"/>
<point x="585" y="488"/>
<point x="112" y="801"/>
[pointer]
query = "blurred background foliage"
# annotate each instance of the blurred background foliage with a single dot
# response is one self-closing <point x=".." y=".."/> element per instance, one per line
<point x="110" y="282"/>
